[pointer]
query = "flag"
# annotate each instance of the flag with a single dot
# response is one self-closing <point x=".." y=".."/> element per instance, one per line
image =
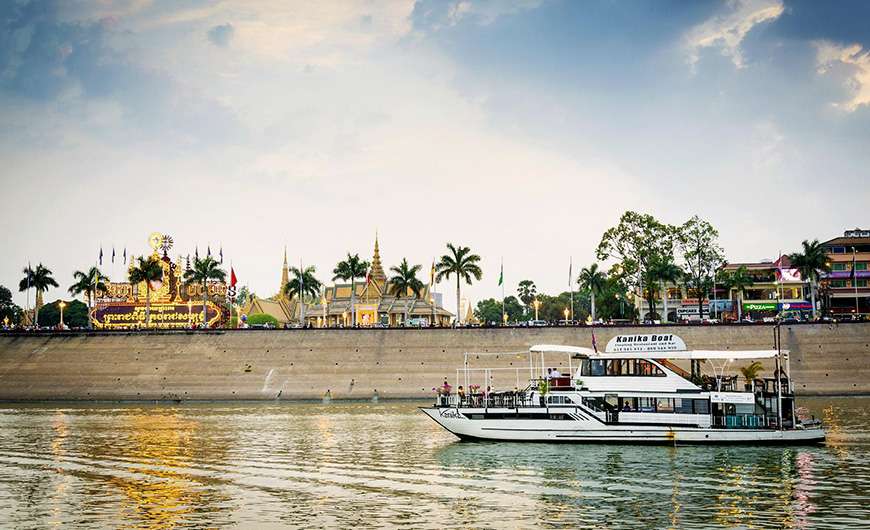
<point x="501" y="275"/>
<point x="594" y="343"/>
<point x="232" y="277"/>
<point x="113" y="253"/>
<point x="101" y="254"/>
<point x="222" y="254"/>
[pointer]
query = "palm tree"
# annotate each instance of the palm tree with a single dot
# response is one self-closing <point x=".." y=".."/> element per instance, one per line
<point x="527" y="291"/>
<point x="203" y="270"/>
<point x="665" y="271"/>
<point x="810" y="261"/>
<point x="461" y="263"/>
<point x="405" y="279"/>
<point x="594" y="281"/>
<point x="738" y="281"/>
<point x="750" y="372"/>
<point x="146" y="270"/>
<point x="302" y="283"/>
<point x="40" y="279"/>
<point x="351" y="269"/>
<point x="90" y="283"/>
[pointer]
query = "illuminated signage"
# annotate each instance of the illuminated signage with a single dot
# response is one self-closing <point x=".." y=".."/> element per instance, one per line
<point x="132" y="315"/>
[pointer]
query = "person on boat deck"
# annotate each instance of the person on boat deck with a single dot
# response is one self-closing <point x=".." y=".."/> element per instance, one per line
<point x="549" y="373"/>
<point x="461" y="392"/>
<point x="626" y="407"/>
<point x="555" y="373"/>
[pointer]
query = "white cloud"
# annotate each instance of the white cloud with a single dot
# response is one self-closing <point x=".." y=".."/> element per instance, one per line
<point x="852" y="64"/>
<point x="726" y="31"/>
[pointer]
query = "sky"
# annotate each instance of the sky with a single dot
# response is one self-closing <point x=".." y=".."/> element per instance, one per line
<point x="520" y="128"/>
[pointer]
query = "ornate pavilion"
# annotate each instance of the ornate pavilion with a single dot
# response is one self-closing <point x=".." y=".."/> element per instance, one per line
<point x="375" y="303"/>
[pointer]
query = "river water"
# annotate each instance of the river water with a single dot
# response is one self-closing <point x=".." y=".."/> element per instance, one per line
<point x="344" y="464"/>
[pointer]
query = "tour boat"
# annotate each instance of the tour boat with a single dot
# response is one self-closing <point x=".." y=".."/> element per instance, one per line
<point x="633" y="392"/>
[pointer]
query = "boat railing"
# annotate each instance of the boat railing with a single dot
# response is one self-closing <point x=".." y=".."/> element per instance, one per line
<point x="744" y="421"/>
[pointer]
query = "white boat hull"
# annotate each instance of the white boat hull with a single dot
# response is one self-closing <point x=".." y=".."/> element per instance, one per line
<point x="590" y="430"/>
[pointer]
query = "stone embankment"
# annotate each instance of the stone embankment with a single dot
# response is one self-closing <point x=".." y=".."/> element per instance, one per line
<point x="357" y="364"/>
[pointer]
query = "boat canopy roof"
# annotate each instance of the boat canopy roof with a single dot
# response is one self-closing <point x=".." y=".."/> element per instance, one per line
<point x="589" y="353"/>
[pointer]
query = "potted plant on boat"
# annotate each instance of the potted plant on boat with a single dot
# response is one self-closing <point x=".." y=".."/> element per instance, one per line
<point x="750" y="373"/>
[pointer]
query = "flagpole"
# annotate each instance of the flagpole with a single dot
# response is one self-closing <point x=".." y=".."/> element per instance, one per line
<point x="27" y="304"/>
<point x="855" y="279"/>
<point x="571" y="284"/>
<point x="501" y="277"/>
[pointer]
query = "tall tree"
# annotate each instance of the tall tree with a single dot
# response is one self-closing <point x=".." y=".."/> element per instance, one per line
<point x="811" y="260"/>
<point x="636" y="242"/>
<point x="89" y="283"/>
<point x="593" y="280"/>
<point x="351" y="269"/>
<point x="405" y="279"/>
<point x="39" y="279"/>
<point x="146" y="270"/>
<point x="698" y="242"/>
<point x="738" y="280"/>
<point x="203" y="270"/>
<point x="526" y="290"/>
<point x="461" y="263"/>
<point x="302" y="284"/>
<point x="8" y="309"/>
<point x="663" y="270"/>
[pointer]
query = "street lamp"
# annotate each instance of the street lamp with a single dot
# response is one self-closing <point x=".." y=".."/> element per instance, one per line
<point x="189" y="314"/>
<point x="505" y="318"/>
<point x="61" y="304"/>
<point x="566" y="315"/>
<point x="537" y="304"/>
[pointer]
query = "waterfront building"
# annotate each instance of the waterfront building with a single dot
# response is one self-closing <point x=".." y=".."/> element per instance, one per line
<point x="777" y="289"/>
<point x="846" y="293"/>
<point x="376" y="304"/>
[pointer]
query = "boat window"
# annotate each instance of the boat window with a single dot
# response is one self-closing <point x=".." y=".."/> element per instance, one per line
<point x="701" y="406"/>
<point x="619" y="367"/>
<point x="664" y="405"/>
<point x="646" y="404"/>
<point x="683" y="406"/>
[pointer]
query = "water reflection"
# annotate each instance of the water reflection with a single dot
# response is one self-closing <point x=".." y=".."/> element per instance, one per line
<point x="384" y="464"/>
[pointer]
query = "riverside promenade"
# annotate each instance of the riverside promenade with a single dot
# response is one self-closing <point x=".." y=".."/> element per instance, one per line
<point x="826" y="359"/>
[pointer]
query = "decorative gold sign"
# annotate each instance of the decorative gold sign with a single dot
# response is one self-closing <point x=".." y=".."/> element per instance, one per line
<point x="132" y="315"/>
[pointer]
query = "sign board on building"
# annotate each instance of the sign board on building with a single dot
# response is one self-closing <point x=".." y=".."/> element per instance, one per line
<point x="759" y="306"/>
<point x="740" y="398"/>
<point x="132" y="315"/>
<point x="650" y="342"/>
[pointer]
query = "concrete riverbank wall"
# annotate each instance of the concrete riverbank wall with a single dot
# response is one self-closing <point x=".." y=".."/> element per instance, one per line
<point x="356" y="364"/>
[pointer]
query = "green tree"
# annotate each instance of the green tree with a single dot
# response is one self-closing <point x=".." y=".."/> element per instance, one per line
<point x="39" y="279"/>
<point x="302" y="284"/>
<point x="89" y="283"/>
<point x="261" y="319"/>
<point x="75" y="315"/>
<point x="349" y="270"/>
<point x="203" y="270"/>
<point x="461" y="263"/>
<point x="811" y="260"/>
<point x="404" y="280"/>
<point x="8" y="309"/>
<point x="698" y="242"/>
<point x="662" y="271"/>
<point x="738" y="280"/>
<point x="243" y="295"/>
<point x="146" y="270"/>
<point x="636" y="242"/>
<point x="592" y="280"/>
<point x="527" y="291"/>
<point x="489" y="311"/>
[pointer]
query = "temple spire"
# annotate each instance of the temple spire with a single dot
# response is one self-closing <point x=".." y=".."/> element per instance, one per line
<point x="284" y="272"/>
<point x="377" y="273"/>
